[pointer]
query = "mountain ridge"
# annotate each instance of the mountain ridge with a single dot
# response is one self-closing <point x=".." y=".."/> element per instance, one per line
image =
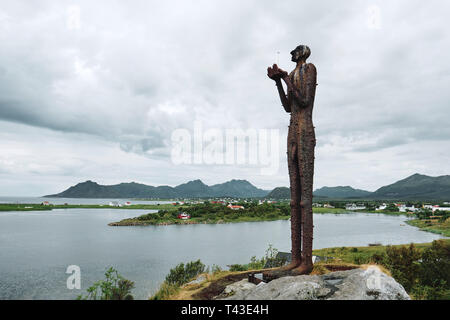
<point x="191" y="189"/>
<point x="414" y="187"/>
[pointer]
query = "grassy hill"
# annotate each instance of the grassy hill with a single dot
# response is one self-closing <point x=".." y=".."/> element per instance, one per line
<point x="417" y="187"/>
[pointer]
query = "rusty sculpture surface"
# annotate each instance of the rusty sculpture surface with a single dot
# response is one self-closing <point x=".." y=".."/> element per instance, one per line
<point x="299" y="101"/>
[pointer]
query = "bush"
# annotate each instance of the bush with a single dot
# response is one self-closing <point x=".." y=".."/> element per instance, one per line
<point x="360" y="259"/>
<point x="165" y="291"/>
<point x="182" y="274"/>
<point x="435" y="266"/>
<point x="115" y="287"/>
<point x="271" y="260"/>
<point x="379" y="258"/>
<point x="215" y="269"/>
<point x="403" y="263"/>
<point x="238" y="267"/>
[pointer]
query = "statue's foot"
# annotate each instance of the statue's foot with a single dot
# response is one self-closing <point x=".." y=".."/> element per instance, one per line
<point x="280" y="272"/>
<point x="302" y="269"/>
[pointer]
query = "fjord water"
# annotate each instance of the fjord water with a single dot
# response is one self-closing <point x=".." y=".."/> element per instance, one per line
<point x="37" y="246"/>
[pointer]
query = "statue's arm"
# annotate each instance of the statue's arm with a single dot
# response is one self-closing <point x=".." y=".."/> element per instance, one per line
<point x="311" y="78"/>
<point x="283" y="98"/>
<point x="276" y="74"/>
<point x="291" y="88"/>
<point x="311" y="83"/>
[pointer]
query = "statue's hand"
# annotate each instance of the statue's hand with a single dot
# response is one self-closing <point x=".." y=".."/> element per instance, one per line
<point x="276" y="73"/>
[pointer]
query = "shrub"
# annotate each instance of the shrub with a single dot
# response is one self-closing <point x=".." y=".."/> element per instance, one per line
<point x="215" y="269"/>
<point x="435" y="266"/>
<point x="403" y="263"/>
<point x="360" y="259"/>
<point x="165" y="291"/>
<point x="271" y="215"/>
<point x="115" y="287"/>
<point x="238" y="267"/>
<point x="271" y="260"/>
<point x="182" y="274"/>
<point x="256" y="264"/>
<point x="379" y="258"/>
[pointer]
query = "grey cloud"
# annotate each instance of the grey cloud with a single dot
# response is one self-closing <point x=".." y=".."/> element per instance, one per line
<point x="131" y="74"/>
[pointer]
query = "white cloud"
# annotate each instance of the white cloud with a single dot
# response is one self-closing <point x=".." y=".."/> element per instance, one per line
<point x="124" y="76"/>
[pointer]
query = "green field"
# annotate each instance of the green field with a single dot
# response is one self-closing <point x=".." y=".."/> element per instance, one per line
<point x="432" y="225"/>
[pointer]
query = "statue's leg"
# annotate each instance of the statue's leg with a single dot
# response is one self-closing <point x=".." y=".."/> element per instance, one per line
<point x="296" y="238"/>
<point x="296" y="232"/>
<point x="306" y="164"/>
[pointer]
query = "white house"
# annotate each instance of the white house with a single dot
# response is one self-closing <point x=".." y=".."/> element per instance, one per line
<point x="440" y="208"/>
<point x="353" y="206"/>
<point x="114" y="204"/>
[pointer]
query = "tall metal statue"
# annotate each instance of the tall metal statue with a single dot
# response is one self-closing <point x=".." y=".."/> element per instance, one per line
<point x="299" y="102"/>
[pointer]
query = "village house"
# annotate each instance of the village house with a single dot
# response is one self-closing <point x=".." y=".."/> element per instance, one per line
<point x="437" y="208"/>
<point x="354" y="206"/>
<point x="184" y="216"/>
<point x="115" y="204"/>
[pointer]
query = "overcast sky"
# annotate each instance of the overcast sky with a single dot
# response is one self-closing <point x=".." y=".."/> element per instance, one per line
<point x="95" y="89"/>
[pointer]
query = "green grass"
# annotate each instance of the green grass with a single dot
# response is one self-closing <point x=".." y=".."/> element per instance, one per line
<point x="22" y="207"/>
<point x="361" y="255"/>
<point x="433" y="226"/>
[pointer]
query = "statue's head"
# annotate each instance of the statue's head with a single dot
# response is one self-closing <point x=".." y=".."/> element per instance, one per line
<point x="301" y="53"/>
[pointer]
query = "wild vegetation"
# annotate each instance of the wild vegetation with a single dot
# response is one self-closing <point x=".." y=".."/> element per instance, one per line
<point x="22" y="207"/>
<point x="114" y="287"/>
<point x="437" y="222"/>
<point x="422" y="269"/>
<point x="211" y="213"/>
<point x="177" y="277"/>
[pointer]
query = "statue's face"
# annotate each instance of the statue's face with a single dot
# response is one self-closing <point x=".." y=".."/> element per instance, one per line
<point x="300" y="53"/>
<point x="296" y="55"/>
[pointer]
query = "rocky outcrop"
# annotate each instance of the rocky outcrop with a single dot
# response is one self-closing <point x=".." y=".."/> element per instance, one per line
<point x="356" y="284"/>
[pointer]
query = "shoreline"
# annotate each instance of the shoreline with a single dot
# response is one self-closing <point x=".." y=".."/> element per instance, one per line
<point x="442" y="228"/>
<point x="136" y="222"/>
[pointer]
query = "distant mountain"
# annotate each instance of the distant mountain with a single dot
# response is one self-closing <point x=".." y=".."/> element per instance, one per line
<point x="237" y="188"/>
<point x="416" y="187"/>
<point x="191" y="189"/>
<point x="341" y="192"/>
<point x="280" y="193"/>
<point x="325" y="192"/>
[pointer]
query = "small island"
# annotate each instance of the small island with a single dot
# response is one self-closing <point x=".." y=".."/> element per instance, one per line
<point x="211" y="213"/>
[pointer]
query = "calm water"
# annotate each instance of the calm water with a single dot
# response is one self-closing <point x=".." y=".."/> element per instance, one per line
<point x="74" y="200"/>
<point x="37" y="246"/>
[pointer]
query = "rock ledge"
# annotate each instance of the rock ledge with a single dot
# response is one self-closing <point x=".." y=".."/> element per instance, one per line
<point x="356" y="284"/>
